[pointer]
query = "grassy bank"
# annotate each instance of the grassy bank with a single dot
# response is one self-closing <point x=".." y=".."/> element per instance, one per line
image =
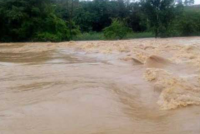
<point x="100" y="36"/>
<point x="139" y="35"/>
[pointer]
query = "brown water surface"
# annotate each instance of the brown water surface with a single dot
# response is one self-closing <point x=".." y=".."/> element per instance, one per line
<point x="53" y="91"/>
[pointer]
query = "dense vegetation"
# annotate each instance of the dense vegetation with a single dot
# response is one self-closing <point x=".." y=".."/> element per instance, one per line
<point x="61" y="20"/>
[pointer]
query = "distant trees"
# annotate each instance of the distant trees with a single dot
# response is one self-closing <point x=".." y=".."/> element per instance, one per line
<point x="23" y="20"/>
<point x="96" y="15"/>
<point x="136" y="18"/>
<point x="58" y="20"/>
<point x="189" y="2"/>
<point x="188" y="23"/>
<point x="160" y="14"/>
<point x="117" y="30"/>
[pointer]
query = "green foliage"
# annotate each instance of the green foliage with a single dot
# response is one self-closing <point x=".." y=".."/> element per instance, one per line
<point x="189" y="23"/>
<point x="136" y="19"/>
<point x="63" y="20"/>
<point x="85" y="19"/>
<point x="139" y="35"/>
<point x="90" y="36"/>
<point x="117" y="30"/>
<point x="45" y="36"/>
<point x="96" y="15"/>
<point x="52" y="28"/>
<point x="73" y="29"/>
<point x="160" y="14"/>
<point x="23" y="20"/>
<point x="100" y="36"/>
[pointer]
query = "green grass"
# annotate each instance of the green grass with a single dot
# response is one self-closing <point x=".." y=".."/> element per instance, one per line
<point x="100" y="36"/>
<point x="139" y="35"/>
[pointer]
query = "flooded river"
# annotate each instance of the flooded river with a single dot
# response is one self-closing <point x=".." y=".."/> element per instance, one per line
<point x="49" y="89"/>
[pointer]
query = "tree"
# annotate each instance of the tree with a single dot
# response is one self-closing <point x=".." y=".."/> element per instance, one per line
<point x="188" y="23"/>
<point x="136" y="18"/>
<point x="160" y="14"/>
<point x="117" y="30"/>
<point x="59" y="20"/>
<point x="85" y="19"/>
<point x="23" y="20"/>
<point x="189" y="2"/>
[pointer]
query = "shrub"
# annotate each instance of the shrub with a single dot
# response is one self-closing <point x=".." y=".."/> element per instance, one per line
<point x="74" y="30"/>
<point x="89" y="36"/>
<point x="117" y="30"/>
<point x="56" y="29"/>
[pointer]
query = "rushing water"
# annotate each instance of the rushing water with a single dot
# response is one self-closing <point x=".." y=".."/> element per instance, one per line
<point x="57" y="92"/>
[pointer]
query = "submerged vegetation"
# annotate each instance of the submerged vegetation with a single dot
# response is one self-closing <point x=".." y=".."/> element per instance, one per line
<point x="62" y="20"/>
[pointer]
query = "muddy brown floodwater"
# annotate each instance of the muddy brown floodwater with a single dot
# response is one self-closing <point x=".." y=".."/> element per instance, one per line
<point x="142" y="86"/>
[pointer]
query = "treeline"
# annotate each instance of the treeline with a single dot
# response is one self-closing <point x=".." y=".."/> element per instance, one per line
<point x="62" y="20"/>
